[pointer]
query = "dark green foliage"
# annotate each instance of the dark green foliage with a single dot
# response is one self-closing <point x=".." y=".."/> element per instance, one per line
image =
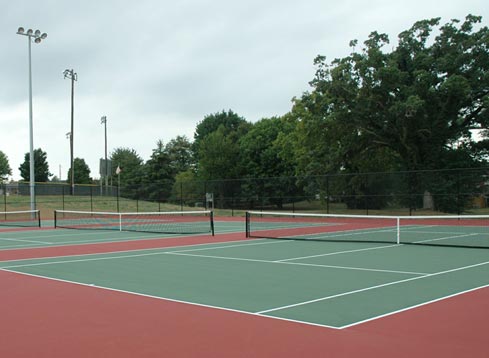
<point x="410" y="109"/>
<point x="41" y="167"/>
<point x="262" y="155"/>
<point x="5" y="169"/>
<point x="131" y="175"/>
<point x="82" y="172"/>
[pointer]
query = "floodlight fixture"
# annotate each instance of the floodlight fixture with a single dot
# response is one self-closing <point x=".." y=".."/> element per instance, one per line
<point x="37" y="35"/>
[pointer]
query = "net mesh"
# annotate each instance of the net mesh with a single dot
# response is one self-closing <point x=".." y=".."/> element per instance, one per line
<point x="181" y="222"/>
<point x="27" y="218"/>
<point x="464" y="231"/>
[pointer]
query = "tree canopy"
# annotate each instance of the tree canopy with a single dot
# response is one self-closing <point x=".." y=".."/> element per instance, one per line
<point x="41" y="167"/>
<point x="5" y="169"/>
<point x="411" y="108"/>
<point x="82" y="172"/>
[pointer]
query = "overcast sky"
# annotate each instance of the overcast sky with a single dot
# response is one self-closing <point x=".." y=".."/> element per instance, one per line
<point x="156" y="68"/>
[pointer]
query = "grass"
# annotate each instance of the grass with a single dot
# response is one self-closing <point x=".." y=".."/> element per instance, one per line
<point x="48" y="203"/>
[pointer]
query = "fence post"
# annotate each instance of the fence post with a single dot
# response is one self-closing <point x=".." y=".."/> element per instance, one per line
<point x="4" y="187"/>
<point x="91" y="200"/>
<point x="327" y="194"/>
<point x="366" y="192"/>
<point x="458" y="193"/>
<point x="181" y="196"/>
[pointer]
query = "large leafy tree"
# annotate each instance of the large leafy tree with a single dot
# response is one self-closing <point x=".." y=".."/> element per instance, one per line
<point x="131" y="175"/>
<point x="41" y="167"/>
<point x="216" y="145"/>
<point x="419" y="102"/>
<point x="262" y="158"/>
<point x="231" y="125"/>
<point x="82" y="172"/>
<point x="412" y="108"/>
<point x="158" y="174"/>
<point x="179" y="150"/>
<point x="5" y="169"/>
<point x="218" y="153"/>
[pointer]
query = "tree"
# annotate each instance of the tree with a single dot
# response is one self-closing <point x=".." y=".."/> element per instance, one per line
<point x="158" y="174"/>
<point x="232" y="125"/>
<point x="131" y="175"/>
<point x="187" y="189"/>
<point x="41" y="167"/>
<point x="219" y="163"/>
<point x="412" y="108"/>
<point x="420" y="101"/>
<point x="218" y="153"/>
<point x="5" y="169"/>
<point x="82" y="172"/>
<point x="261" y="160"/>
<point x="180" y="154"/>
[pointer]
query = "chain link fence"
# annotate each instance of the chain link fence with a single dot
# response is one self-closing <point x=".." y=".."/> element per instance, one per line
<point x="404" y="193"/>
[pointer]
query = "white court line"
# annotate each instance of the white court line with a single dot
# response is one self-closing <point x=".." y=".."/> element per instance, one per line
<point x="24" y="240"/>
<point x="183" y="253"/>
<point x="297" y="263"/>
<point x="109" y="240"/>
<point x="444" y="238"/>
<point x="412" y="307"/>
<point x="160" y="252"/>
<point x="370" y="288"/>
<point x="235" y="310"/>
<point x="338" y="253"/>
<point x="170" y="299"/>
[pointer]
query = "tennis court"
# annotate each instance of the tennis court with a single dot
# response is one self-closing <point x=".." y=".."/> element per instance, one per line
<point x="330" y="287"/>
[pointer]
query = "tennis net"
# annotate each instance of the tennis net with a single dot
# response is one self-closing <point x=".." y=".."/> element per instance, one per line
<point x="459" y="230"/>
<point x="178" y="222"/>
<point x="26" y="218"/>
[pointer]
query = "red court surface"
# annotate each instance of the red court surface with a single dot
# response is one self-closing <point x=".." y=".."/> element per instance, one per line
<point x="47" y="318"/>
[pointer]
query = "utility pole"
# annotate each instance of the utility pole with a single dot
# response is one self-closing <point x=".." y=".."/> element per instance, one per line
<point x="73" y="77"/>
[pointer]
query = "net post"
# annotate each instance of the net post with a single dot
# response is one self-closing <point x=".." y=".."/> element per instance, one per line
<point x="398" y="230"/>
<point x="39" y="217"/>
<point x="247" y="224"/>
<point x="212" y="222"/>
<point x="55" y="211"/>
<point x="120" y="221"/>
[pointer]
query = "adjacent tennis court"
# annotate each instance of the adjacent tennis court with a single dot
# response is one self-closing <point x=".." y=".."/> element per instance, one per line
<point x="333" y="276"/>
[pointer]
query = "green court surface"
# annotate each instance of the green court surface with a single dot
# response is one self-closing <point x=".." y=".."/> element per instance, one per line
<point x="333" y="284"/>
<point x="61" y="237"/>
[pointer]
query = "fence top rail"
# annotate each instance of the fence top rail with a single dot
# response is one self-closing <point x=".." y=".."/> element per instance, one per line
<point x="393" y="217"/>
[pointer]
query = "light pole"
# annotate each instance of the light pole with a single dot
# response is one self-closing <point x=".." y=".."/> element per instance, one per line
<point x="103" y="121"/>
<point x="38" y="37"/>
<point x="73" y="77"/>
<point x="68" y="136"/>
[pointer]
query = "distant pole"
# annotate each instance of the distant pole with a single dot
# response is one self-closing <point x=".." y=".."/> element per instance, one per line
<point x="38" y="37"/>
<point x="118" y="172"/>
<point x="103" y="121"/>
<point x="70" y="74"/>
